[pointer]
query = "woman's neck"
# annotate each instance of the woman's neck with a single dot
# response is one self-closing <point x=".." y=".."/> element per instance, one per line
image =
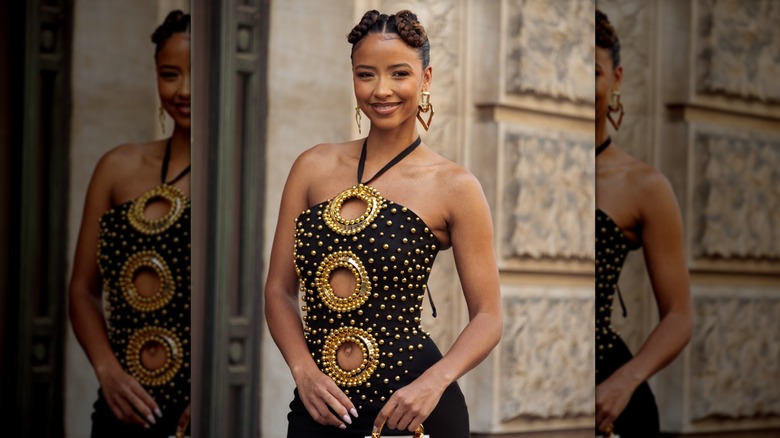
<point x="601" y="131"/>
<point x="180" y="145"/>
<point x="388" y="143"/>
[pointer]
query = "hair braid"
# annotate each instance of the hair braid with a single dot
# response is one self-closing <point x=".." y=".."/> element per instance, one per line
<point x="359" y="31"/>
<point x="176" y="22"/>
<point x="404" y="24"/>
<point x="606" y="37"/>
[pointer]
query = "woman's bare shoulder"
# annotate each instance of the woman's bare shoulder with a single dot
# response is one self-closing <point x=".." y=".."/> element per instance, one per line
<point x="128" y="158"/>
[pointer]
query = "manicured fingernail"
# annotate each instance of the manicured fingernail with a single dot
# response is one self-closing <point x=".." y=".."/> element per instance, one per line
<point x="353" y="411"/>
<point x="343" y="426"/>
<point x="347" y="419"/>
<point x="146" y="426"/>
<point x="375" y="430"/>
<point x="150" y="418"/>
<point x="158" y="412"/>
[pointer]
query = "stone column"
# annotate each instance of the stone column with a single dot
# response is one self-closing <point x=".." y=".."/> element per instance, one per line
<point x="531" y="144"/>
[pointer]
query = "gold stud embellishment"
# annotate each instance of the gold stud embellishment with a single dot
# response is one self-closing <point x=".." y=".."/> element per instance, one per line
<point x="348" y="227"/>
<point x="367" y="345"/>
<point x="348" y="260"/>
<point x="152" y="260"/>
<point x="143" y="224"/>
<point x="157" y="336"/>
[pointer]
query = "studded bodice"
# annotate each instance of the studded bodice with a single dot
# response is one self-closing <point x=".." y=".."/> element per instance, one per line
<point x="390" y="251"/>
<point x="130" y="243"/>
<point x="612" y="247"/>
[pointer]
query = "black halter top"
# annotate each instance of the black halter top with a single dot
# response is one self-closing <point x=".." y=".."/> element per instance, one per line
<point x="138" y="323"/>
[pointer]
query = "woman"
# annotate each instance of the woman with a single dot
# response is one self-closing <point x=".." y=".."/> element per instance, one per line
<point x="134" y="247"/>
<point x="635" y="207"/>
<point x="360" y="224"/>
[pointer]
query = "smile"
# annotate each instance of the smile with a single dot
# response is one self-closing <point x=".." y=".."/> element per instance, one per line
<point x="385" y="108"/>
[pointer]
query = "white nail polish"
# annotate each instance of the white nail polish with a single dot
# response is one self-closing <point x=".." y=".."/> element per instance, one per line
<point x="150" y="418"/>
<point x="347" y="419"/>
<point x="343" y="426"/>
<point x="157" y="412"/>
<point x="354" y="413"/>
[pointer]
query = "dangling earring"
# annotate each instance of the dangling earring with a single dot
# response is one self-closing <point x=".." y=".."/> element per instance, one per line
<point x="161" y="117"/>
<point x="615" y="106"/>
<point x="358" y="118"/>
<point x="423" y="107"/>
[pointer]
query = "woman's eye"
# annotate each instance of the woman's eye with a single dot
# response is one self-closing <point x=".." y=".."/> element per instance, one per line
<point x="401" y="73"/>
<point x="364" y="75"/>
<point x="168" y="75"/>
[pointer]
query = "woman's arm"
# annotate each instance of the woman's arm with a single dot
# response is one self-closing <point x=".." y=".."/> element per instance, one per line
<point x="122" y="392"/>
<point x="316" y="389"/>
<point x="662" y="239"/>
<point x="471" y="233"/>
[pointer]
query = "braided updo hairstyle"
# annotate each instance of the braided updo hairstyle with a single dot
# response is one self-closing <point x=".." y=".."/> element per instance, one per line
<point x="403" y="23"/>
<point x="606" y="37"/>
<point x="176" y="22"/>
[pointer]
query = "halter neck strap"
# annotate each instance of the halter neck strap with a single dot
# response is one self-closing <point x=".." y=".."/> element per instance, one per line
<point x="166" y="160"/>
<point x="393" y="162"/>
<point x="603" y="146"/>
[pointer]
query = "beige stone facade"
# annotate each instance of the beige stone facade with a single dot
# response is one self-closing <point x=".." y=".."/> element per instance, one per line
<point x="701" y="96"/>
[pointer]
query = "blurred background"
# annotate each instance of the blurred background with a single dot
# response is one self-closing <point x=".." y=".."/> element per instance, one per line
<point x="702" y="104"/>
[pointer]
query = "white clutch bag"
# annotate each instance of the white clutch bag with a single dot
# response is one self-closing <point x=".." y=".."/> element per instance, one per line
<point x="419" y="433"/>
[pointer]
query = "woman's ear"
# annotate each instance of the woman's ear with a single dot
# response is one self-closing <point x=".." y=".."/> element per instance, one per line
<point x="427" y="76"/>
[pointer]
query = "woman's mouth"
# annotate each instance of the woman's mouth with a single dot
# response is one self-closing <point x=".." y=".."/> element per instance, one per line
<point x="385" y="107"/>
<point x="183" y="108"/>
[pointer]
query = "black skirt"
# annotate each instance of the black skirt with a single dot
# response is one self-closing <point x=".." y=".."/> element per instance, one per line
<point x="640" y="417"/>
<point x="106" y="425"/>
<point x="450" y="419"/>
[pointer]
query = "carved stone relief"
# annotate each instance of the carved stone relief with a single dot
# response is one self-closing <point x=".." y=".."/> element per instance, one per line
<point x="739" y="48"/>
<point x="737" y="196"/>
<point x="547" y="353"/>
<point x="537" y="30"/>
<point x="548" y="199"/>
<point x="734" y="355"/>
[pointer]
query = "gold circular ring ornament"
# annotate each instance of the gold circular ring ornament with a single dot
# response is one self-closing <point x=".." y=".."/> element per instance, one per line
<point x="151" y="260"/>
<point x="368" y="346"/>
<point x="348" y="227"/>
<point x="347" y="260"/>
<point x="143" y="224"/>
<point x="173" y="350"/>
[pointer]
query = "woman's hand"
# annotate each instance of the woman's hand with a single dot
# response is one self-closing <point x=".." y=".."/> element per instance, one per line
<point x="184" y="421"/>
<point x="408" y="407"/>
<point x="319" y="393"/>
<point x="127" y="399"/>
<point x="612" y="396"/>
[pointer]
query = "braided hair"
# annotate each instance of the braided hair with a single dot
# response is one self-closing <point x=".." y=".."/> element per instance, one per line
<point x="403" y="23"/>
<point x="176" y="22"/>
<point x="606" y="37"/>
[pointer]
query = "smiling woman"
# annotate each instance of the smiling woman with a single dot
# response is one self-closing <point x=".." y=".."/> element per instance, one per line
<point x="134" y="246"/>
<point x="360" y="225"/>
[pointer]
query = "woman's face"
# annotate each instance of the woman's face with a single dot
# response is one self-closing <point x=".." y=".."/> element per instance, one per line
<point x="388" y="77"/>
<point x="173" y="78"/>
<point x="608" y="80"/>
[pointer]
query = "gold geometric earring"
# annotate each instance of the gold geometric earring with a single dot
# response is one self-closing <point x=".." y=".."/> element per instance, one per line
<point x="423" y="107"/>
<point x="161" y="117"/>
<point x="615" y="106"/>
<point x="358" y="118"/>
